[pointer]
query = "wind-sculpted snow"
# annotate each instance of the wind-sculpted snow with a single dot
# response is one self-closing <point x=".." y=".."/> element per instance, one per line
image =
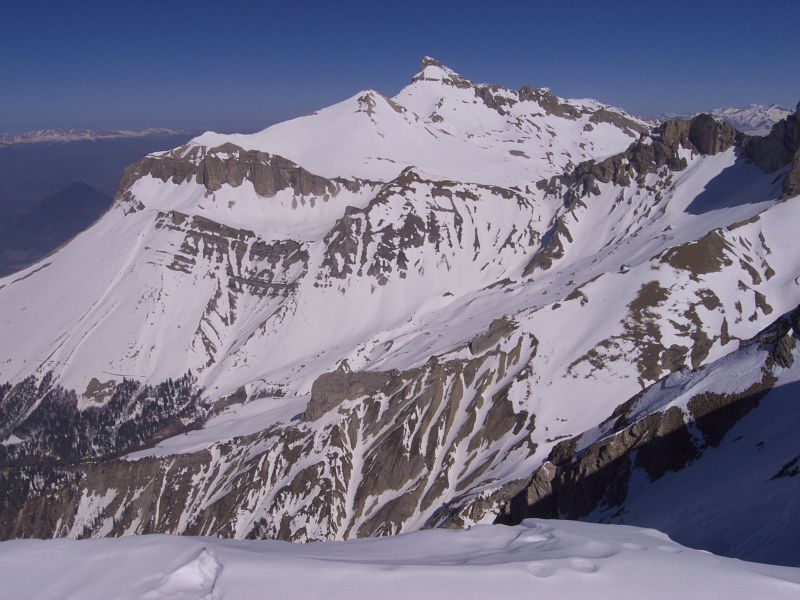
<point x="564" y="560"/>
<point x="392" y="312"/>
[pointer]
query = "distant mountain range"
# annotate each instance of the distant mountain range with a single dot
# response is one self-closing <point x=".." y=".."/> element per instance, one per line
<point x="754" y="119"/>
<point x="54" y="184"/>
<point x="56" y="136"/>
<point x="26" y="238"/>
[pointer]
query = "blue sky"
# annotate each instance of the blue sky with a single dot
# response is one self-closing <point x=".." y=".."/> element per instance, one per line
<point x="244" y="64"/>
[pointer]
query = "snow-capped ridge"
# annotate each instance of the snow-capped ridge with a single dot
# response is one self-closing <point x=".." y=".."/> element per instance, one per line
<point x="447" y="126"/>
<point x="62" y="136"/>
<point x="754" y="119"/>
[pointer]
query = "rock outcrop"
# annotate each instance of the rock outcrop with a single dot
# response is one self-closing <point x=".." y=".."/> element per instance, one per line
<point x="779" y="148"/>
<point x="394" y="450"/>
<point x="593" y="477"/>
<point x="229" y="164"/>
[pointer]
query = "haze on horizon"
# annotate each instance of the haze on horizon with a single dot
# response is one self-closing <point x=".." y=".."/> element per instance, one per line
<point x="199" y="65"/>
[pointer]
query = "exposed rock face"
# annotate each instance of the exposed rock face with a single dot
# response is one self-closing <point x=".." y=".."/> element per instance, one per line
<point x="331" y="389"/>
<point x="548" y="101"/>
<point x="448" y="76"/>
<point x="232" y="165"/>
<point x="778" y="149"/>
<point x="499" y="329"/>
<point x="249" y="263"/>
<point x="395" y="235"/>
<point x="703" y="133"/>
<point x="392" y="445"/>
<point x="241" y="264"/>
<point x="791" y="185"/>
<point x="706" y="255"/>
<point x="502" y="99"/>
<point x="580" y="478"/>
<point x="606" y="116"/>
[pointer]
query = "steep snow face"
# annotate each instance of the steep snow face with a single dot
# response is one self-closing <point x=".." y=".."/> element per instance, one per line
<point x="734" y="417"/>
<point x="561" y="560"/>
<point x="755" y="119"/>
<point x="759" y="448"/>
<point x="449" y="128"/>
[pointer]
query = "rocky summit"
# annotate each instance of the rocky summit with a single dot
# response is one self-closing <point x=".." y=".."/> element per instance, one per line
<point x="464" y="304"/>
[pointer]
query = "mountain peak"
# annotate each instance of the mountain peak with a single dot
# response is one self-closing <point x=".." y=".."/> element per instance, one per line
<point x="431" y="69"/>
<point x="429" y="61"/>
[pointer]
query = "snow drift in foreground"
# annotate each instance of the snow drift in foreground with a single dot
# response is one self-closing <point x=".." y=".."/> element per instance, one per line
<point x="538" y="559"/>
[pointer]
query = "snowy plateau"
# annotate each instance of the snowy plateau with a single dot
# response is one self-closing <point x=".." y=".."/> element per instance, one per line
<point x="568" y="333"/>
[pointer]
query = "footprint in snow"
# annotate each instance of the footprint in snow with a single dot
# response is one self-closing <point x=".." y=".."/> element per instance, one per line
<point x="540" y="569"/>
<point x="193" y="581"/>
<point x="632" y="546"/>
<point x="530" y="537"/>
<point x="583" y="565"/>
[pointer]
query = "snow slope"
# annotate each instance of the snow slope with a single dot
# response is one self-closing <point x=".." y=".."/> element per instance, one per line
<point x="561" y="560"/>
<point x="441" y="124"/>
<point x="715" y="458"/>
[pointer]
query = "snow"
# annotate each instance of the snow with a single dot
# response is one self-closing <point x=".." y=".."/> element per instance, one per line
<point x="756" y="448"/>
<point x="539" y="559"/>
<point x="130" y="316"/>
<point x="374" y="137"/>
<point x="754" y="119"/>
<point x="235" y="421"/>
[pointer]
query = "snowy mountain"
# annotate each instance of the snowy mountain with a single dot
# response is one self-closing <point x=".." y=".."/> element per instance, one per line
<point x="59" y="136"/>
<point x="387" y="315"/>
<point x="561" y="561"/>
<point x="754" y="119"/>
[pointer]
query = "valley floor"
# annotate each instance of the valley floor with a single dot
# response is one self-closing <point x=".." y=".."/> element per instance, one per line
<point x="538" y="559"/>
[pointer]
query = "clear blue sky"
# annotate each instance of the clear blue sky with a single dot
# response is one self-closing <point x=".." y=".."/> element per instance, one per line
<point x="243" y="64"/>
